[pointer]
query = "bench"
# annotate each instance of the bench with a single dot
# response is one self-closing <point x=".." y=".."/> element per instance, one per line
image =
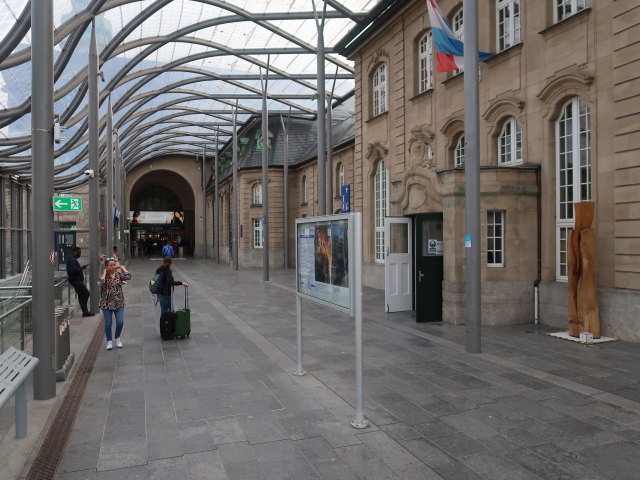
<point x="15" y="367"/>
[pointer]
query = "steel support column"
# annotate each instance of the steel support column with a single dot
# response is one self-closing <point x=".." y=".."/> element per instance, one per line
<point x="94" y="234"/>
<point x="234" y="195"/>
<point x="204" y="205"/>
<point x="472" y="176"/>
<point x="265" y="177"/>
<point x="321" y="120"/>
<point x="216" y="207"/>
<point x="109" y="202"/>
<point x="44" y="375"/>
<point x="285" y="205"/>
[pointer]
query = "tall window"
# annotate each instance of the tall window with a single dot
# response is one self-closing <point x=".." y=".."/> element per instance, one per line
<point x="305" y="190"/>
<point x="256" y="197"/>
<point x="573" y="173"/>
<point x="457" y="25"/>
<point x="458" y="153"/>
<point x="257" y="233"/>
<point x="340" y="175"/>
<point x="510" y="143"/>
<point x="380" y="90"/>
<point x="380" y="189"/>
<point x="566" y="8"/>
<point x="495" y="238"/>
<point x="508" y="20"/>
<point x="425" y="62"/>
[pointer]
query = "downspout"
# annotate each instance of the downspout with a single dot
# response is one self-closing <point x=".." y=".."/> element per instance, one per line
<point x="536" y="284"/>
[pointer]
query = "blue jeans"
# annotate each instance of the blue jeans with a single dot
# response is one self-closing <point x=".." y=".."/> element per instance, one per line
<point x="119" y="313"/>
<point x="165" y="303"/>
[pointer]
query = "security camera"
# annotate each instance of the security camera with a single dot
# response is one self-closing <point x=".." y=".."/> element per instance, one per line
<point x="89" y="173"/>
<point x="101" y="75"/>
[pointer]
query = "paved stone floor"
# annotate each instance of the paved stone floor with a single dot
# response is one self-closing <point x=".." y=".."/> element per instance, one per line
<point x="223" y="403"/>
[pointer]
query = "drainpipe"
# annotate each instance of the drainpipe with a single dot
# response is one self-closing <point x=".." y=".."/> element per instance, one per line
<point x="536" y="284"/>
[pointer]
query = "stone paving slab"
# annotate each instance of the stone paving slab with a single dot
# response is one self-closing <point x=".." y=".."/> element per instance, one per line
<point x="223" y="403"/>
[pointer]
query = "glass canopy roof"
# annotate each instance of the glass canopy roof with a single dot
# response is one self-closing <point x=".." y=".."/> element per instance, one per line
<point x="173" y="69"/>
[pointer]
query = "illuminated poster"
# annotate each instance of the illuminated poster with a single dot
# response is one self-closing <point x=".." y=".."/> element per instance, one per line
<point x="147" y="217"/>
<point x="323" y="261"/>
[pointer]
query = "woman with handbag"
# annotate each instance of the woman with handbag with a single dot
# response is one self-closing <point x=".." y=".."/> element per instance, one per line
<point x="112" y="298"/>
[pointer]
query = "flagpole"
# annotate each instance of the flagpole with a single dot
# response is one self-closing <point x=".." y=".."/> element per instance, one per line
<point x="472" y="175"/>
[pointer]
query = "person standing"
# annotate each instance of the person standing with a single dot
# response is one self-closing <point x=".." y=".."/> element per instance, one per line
<point x="75" y="274"/>
<point x="166" y="284"/>
<point x="112" y="298"/>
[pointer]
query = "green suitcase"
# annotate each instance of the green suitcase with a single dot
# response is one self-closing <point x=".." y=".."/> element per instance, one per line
<point x="182" y="325"/>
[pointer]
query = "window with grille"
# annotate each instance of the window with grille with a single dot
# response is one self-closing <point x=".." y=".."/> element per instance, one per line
<point x="425" y="62"/>
<point x="256" y="197"/>
<point x="457" y="25"/>
<point x="573" y="171"/>
<point x="495" y="238"/>
<point x="508" y="21"/>
<point x="380" y="90"/>
<point x="340" y="179"/>
<point x="566" y="8"/>
<point x="305" y="190"/>
<point x="380" y="190"/>
<point x="459" y="152"/>
<point x="257" y="233"/>
<point x="510" y="143"/>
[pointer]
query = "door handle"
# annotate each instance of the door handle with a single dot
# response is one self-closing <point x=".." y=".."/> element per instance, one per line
<point x="420" y="276"/>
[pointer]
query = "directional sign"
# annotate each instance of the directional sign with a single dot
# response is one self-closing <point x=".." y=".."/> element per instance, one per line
<point x="66" y="204"/>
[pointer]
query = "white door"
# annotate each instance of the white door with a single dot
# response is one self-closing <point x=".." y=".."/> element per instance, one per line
<point x="398" y="264"/>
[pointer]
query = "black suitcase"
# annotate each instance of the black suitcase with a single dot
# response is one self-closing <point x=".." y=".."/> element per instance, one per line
<point x="167" y="321"/>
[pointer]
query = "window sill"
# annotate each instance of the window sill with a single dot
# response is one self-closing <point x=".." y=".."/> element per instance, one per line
<point x="377" y="117"/>
<point x="253" y="205"/>
<point x="304" y="204"/>
<point x="454" y="79"/>
<point x="505" y="54"/>
<point x="495" y="266"/>
<point x="418" y="96"/>
<point x="565" y="21"/>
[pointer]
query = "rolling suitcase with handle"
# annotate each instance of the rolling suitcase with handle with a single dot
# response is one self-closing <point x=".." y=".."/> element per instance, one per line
<point x="167" y="322"/>
<point x="182" y="324"/>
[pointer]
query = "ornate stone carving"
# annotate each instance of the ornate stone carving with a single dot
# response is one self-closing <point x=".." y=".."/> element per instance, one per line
<point x="419" y="143"/>
<point x="379" y="54"/>
<point x="376" y="151"/>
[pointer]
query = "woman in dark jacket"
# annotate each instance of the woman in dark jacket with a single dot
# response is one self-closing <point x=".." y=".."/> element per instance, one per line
<point x="166" y="284"/>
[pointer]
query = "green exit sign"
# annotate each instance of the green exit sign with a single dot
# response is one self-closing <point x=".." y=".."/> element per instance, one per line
<point x="126" y="230"/>
<point x="67" y="204"/>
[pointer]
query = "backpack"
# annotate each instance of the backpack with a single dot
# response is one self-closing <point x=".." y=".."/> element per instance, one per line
<point x="155" y="283"/>
<point x="167" y="251"/>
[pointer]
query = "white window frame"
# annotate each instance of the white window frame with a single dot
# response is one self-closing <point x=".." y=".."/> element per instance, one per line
<point x="507" y="23"/>
<point x="510" y="143"/>
<point x="495" y="237"/>
<point x="457" y="26"/>
<point x="381" y="207"/>
<point x="573" y="178"/>
<point x="458" y="152"/>
<point x="305" y="190"/>
<point x="567" y="8"/>
<point x="257" y="232"/>
<point x="340" y="177"/>
<point x="379" y="84"/>
<point x="256" y="194"/>
<point x="425" y="62"/>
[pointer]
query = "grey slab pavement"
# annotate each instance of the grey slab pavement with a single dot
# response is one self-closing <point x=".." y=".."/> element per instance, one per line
<point x="223" y="403"/>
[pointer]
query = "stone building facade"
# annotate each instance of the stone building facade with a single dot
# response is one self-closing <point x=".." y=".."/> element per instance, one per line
<point x="559" y="123"/>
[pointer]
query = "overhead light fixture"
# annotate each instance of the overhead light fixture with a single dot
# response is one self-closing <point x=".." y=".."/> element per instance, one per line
<point x="15" y="177"/>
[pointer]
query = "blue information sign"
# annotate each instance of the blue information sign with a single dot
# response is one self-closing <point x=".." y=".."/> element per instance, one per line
<point x="345" y="191"/>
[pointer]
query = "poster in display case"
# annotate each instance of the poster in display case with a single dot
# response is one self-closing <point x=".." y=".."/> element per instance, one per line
<point x="324" y="254"/>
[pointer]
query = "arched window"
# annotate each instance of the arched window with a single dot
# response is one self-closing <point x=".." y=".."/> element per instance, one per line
<point x="425" y="62"/>
<point x="380" y="90"/>
<point x="380" y="190"/>
<point x="304" y="189"/>
<point x="256" y="197"/>
<point x="458" y="152"/>
<point x="340" y="176"/>
<point x="510" y="143"/>
<point x="508" y="21"/>
<point x="573" y="171"/>
<point x="566" y="8"/>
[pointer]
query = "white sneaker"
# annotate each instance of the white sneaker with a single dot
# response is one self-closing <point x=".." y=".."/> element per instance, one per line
<point x="118" y="343"/>
<point x="109" y="346"/>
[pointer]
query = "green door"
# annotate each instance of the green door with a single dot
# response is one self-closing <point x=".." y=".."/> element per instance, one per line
<point x="429" y="267"/>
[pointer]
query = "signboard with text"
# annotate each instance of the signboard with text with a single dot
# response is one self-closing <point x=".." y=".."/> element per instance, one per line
<point x="324" y="253"/>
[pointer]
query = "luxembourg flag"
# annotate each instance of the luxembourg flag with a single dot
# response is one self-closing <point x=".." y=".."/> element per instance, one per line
<point x="449" y="50"/>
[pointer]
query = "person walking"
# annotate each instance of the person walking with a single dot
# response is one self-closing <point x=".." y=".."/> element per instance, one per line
<point x="167" y="250"/>
<point x="75" y="274"/>
<point x="112" y="298"/>
<point x="166" y="283"/>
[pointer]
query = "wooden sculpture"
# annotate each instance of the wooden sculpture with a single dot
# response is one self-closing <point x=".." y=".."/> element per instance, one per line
<point x="584" y="315"/>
